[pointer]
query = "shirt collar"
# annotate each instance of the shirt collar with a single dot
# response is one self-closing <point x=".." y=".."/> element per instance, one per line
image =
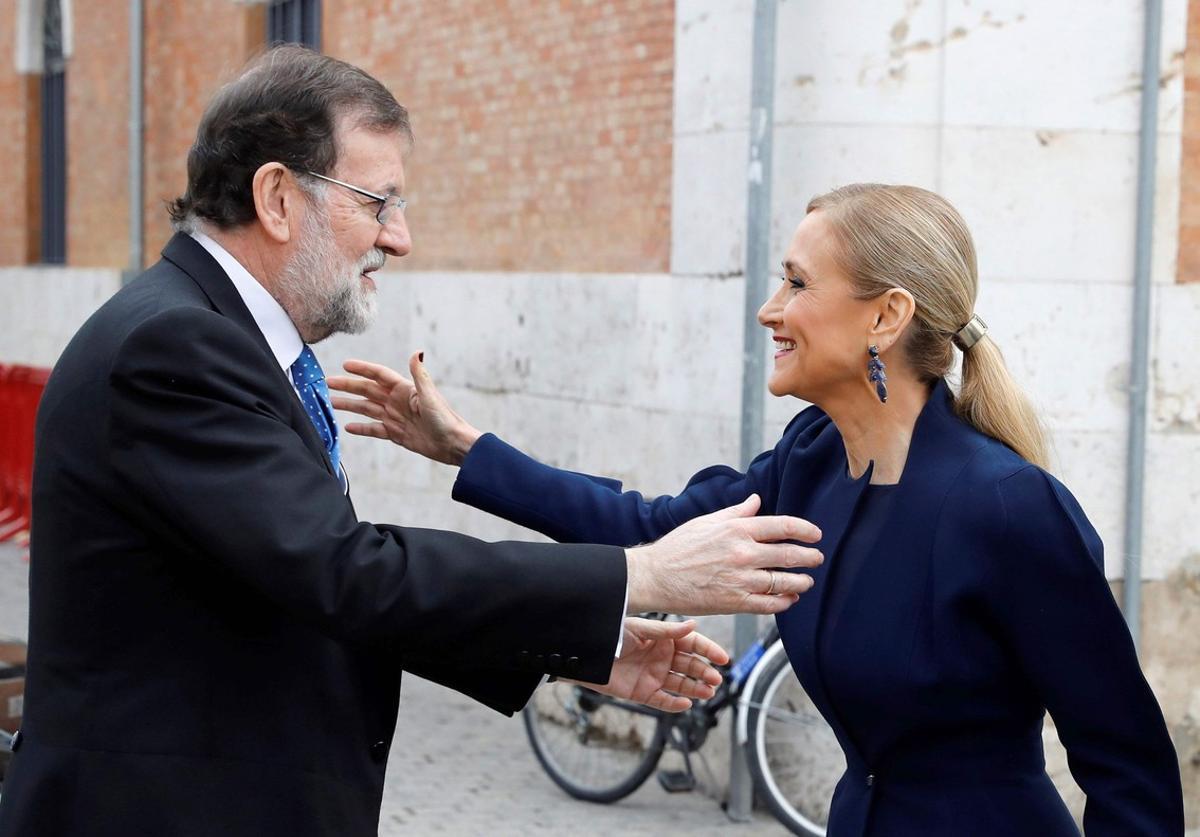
<point x="274" y="323"/>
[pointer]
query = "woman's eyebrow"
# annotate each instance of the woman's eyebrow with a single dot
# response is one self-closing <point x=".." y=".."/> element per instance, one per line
<point x="793" y="269"/>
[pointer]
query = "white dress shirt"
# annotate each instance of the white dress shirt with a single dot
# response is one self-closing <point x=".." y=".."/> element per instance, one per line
<point x="274" y="323"/>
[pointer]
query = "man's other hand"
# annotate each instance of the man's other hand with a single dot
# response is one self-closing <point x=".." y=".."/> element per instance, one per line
<point x="664" y="665"/>
<point x="726" y="562"/>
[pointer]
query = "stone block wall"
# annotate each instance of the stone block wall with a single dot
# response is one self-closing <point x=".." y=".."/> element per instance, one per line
<point x="578" y="189"/>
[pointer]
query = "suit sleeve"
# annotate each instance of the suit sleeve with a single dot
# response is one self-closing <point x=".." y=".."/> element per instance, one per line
<point x="576" y="508"/>
<point x="501" y="690"/>
<point x="1052" y="601"/>
<point x="201" y="436"/>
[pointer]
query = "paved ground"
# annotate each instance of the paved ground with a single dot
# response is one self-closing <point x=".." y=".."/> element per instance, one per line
<point x="14" y="592"/>
<point x="459" y="769"/>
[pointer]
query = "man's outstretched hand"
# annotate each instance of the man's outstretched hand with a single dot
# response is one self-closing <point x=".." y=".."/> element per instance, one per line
<point x="729" y="561"/>
<point x="664" y="665"/>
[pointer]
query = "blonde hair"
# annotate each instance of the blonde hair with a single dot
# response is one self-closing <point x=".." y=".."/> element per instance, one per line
<point x="905" y="237"/>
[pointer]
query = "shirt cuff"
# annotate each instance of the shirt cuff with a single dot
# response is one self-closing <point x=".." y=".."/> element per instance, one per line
<point x="621" y="626"/>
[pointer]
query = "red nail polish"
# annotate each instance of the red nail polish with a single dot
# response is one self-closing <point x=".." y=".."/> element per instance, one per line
<point x="421" y="357"/>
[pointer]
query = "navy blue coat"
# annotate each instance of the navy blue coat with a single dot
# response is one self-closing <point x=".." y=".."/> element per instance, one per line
<point x="983" y="605"/>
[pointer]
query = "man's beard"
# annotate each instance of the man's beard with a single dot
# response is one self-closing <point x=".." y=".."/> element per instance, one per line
<point x="321" y="292"/>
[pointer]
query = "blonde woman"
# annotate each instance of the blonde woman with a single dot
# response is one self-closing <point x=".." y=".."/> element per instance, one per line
<point x="962" y="594"/>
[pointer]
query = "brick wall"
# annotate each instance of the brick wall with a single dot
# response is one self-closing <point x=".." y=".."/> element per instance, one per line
<point x="543" y="128"/>
<point x="18" y="103"/>
<point x="98" y="136"/>
<point x="191" y="49"/>
<point x="1189" y="173"/>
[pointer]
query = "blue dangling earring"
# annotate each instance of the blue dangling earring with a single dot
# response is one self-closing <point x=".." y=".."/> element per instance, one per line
<point x="875" y="373"/>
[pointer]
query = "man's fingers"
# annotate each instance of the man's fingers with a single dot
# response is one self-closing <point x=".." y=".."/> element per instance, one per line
<point x="786" y="583"/>
<point x="770" y="528"/>
<point x="687" y="686"/>
<point x="668" y="702"/>
<point x="767" y="605"/>
<point x="769" y="555"/>
<point x="703" y="646"/>
<point x="747" y="508"/>
<point x="658" y="629"/>
<point x="696" y="668"/>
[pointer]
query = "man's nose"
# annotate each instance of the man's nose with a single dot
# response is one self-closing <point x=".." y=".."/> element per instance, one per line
<point x="393" y="236"/>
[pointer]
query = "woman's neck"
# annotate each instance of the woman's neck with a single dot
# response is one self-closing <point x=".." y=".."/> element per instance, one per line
<point x="877" y="432"/>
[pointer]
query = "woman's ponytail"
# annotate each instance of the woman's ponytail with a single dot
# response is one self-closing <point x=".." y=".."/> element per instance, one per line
<point x="990" y="400"/>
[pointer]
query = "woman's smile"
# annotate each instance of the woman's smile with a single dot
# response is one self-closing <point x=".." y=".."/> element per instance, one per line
<point x="784" y="347"/>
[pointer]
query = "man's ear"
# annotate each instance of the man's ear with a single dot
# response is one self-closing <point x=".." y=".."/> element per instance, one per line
<point x="276" y="198"/>
<point x="894" y="311"/>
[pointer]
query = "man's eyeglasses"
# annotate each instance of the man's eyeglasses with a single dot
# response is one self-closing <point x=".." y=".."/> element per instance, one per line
<point x="388" y="204"/>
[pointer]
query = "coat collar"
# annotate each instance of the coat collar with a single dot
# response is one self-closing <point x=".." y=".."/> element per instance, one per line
<point x="189" y="256"/>
<point x="941" y="445"/>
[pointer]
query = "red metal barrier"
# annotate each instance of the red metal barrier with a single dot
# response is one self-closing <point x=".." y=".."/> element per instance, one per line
<point x="20" y="391"/>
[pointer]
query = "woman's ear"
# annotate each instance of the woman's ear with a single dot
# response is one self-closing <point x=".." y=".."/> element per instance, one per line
<point x="275" y="199"/>
<point x="894" y="311"/>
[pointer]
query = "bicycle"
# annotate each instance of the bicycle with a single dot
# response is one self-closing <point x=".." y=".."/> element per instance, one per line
<point x="601" y="749"/>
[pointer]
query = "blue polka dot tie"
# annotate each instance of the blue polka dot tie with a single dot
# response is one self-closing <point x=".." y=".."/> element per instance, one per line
<point x="309" y="379"/>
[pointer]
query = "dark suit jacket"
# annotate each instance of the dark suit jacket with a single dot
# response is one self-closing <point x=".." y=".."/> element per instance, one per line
<point x="983" y="605"/>
<point x="216" y="641"/>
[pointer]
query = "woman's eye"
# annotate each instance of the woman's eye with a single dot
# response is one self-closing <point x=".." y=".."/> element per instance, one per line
<point x="798" y="284"/>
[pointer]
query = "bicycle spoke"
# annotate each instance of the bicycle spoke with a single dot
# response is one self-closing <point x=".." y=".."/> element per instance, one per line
<point x="591" y="746"/>
<point x="794" y="754"/>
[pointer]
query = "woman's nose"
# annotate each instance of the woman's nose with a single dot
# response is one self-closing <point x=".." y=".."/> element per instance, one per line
<point x="768" y="315"/>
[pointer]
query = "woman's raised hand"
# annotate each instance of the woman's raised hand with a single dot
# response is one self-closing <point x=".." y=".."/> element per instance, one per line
<point x="410" y="412"/>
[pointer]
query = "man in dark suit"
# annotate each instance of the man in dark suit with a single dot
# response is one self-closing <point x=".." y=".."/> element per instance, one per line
<point x="216" y="641"/>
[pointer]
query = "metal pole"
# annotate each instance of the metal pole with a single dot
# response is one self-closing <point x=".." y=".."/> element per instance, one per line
<point x="754" y="348"/>
<point x="1139" y="361"/>
<point x="136" y="134"/>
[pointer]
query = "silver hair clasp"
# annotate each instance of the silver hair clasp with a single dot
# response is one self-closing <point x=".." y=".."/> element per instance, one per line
<point x="969" y="335"/>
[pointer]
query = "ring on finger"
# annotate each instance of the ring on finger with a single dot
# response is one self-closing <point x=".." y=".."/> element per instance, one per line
<point x="771" y="589"/>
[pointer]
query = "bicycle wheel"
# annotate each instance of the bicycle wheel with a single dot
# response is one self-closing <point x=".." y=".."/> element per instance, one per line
<point x="794" y="758"/>
<point x="593" y="748"/>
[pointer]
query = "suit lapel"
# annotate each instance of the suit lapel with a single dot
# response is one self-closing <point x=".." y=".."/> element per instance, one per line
<point x="186" y="253"/>
<point x="832" y="508"/>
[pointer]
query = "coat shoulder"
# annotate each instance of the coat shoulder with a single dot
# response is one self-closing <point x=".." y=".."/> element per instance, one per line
<point x="1003" y="499"/>
<point x="162" y="287"/>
